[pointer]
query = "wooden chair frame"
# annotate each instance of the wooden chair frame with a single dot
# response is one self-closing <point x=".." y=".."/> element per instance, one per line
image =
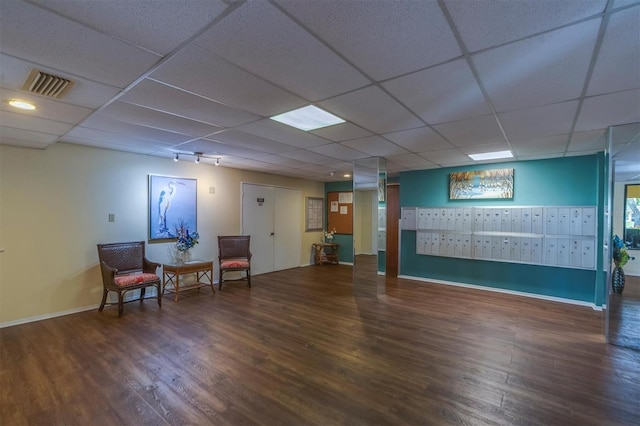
<point x="118" y="260"/>
<point x="234" y="254"/>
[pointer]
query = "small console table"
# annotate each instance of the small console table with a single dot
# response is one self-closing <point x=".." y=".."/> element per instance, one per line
<point x="325" y="253"/>
<point x="171" y="275"/>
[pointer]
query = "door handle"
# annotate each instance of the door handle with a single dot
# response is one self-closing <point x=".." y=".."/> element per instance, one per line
<point x="272" y="234"/>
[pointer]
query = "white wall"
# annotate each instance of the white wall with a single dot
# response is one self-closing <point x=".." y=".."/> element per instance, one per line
<point x="633" y="267"/>
<point x="54" y="207"/>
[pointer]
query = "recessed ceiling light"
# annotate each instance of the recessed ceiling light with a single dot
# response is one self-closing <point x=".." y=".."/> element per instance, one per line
<point x="308" y="118"/>
<point x="17" y="103"/>
<point x="491" y="155"/>
<point x="346" y="175"/>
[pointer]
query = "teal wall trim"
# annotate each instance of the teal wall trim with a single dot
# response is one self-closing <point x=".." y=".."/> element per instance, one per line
<point x="559" y="181"/>
<point x="345" y="252"/>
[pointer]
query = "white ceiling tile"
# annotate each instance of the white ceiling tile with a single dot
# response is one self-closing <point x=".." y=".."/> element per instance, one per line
<point x="410" y="160"/>
<point x="308" y="156"/>
<point x="271" y="129"/>
<point x="22" y="144"/>
<point x="551" y="144"/>
<point x="213" y="148"/>
<point x="342" y="132"/>
<point x="507" y="20"/>
<point x="46" y="108"/>
<point x="384" y="40"/>
<point x="540" y="157"/>
<point x="545" y="120"/>
<point x="12" y="133"/>
<point x="599" y="112"/>
<point x="482" y="149"/>
<point x="260" y="37"/>
<point x="160" y="27"/>
<point x="418" y="140"/>
<point x="339" y="151"/>
<point x="618" y="65"/>
<point x="540" y="70"/>
<point x="588" y="141"/>
<point x="84" y="93"/>
<point x="87" y="53"/>
<point x="444" y="93"/>
<point x="375" y="146"/>
<point x="372" y="109"/>
<point x="158" y="96"/>
<point x="622" y="3"/>
<point x="234" y="137"/>
<point x="474" y="131"/>
<point x="446" y="156"/>
<point x="278" y="159"/>
<point x="135" y="114"/>
<point x="101" y="122"/>
<point x="27" y="122"/>
<point x="574" y="154"/>
<point x="121" y="141"/>
<point x="197" y="71"/>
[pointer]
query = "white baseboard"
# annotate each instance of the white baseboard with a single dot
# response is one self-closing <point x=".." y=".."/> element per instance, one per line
<point x="505" y="291"/>
<point x="48" y="316"/>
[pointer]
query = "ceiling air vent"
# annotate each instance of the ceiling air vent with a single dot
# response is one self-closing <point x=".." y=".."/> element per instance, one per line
<point x="44" y="84"/>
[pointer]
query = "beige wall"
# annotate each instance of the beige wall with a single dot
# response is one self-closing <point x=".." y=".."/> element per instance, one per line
<point x="54" y="207"/>
<point x="363" y="221"/>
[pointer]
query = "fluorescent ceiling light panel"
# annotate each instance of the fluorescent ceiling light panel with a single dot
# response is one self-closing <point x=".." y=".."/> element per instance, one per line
<point x="308" y="118"/>
<point x="491" y="155"/>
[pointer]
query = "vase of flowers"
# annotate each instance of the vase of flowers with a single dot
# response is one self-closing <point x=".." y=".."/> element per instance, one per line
<point x="185" y="240"/>
<point x="328" y="235"/>
<point x="620" y="258"/>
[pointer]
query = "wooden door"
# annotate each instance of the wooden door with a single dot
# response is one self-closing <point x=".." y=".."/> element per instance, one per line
<point x="393" y="216"/>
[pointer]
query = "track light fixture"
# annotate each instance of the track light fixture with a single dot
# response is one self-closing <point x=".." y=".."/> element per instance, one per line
<point x="198" y="154"/>
<point x="177" y="157"/>
<point x="218" y="161"/>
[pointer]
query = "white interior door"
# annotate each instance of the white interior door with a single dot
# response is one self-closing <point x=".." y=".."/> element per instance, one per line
<point x="258" y="221"/>
<point x="287" y="229"/>
<point x="271" y="215"/>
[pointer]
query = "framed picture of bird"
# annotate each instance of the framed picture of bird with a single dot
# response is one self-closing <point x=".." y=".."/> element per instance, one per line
<point x="172" y="207"/>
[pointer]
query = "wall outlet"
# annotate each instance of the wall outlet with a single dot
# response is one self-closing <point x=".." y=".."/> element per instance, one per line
<point x="112" y="217"/>
<point x="212" y="190"/>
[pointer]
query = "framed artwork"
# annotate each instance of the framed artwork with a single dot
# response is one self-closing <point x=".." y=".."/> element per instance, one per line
<point x="481" y="184"/>
<point x="382" y="189"/>
<point x="315" y="214"/>
<point x="172" y="202"/>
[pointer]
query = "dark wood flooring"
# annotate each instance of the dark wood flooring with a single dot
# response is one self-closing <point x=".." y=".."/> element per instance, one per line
<point x="298" y="349"/>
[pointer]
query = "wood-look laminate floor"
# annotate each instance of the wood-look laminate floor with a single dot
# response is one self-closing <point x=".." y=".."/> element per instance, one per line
<point x="624" y="315"/>
<point x="298" y="349"/>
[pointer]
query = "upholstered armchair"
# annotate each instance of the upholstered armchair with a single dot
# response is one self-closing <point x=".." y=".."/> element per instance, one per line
<point x="234" y="254"/>
<point x="124" y="268"/>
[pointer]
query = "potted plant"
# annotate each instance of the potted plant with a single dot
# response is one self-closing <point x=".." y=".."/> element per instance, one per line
<point x="620" y="258"/>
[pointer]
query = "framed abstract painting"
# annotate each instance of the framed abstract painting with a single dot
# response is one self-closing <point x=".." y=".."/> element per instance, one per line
<point x="481" y="184"/>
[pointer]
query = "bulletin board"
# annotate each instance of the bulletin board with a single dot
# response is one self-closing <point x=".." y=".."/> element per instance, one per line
<point x="340" y="212"/>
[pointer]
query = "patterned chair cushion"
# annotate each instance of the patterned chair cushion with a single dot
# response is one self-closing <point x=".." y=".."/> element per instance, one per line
<point x="234" y="263"/>
<point x="125" y="280"/>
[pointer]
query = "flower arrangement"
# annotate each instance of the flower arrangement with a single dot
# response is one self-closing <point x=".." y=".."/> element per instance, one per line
<point x="328" y="235"/>
<point x="620" y="253"/>
<point x="185" y="240"/>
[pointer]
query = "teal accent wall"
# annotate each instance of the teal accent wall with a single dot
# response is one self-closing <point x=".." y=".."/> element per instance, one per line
<point x="560" y="181"/>
<point x="345" y="252"/>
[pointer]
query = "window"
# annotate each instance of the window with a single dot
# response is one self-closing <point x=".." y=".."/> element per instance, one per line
<point x="632" y="216"/>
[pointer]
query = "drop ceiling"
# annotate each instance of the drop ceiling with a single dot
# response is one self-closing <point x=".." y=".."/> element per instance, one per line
<point x="421" y="83"/>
